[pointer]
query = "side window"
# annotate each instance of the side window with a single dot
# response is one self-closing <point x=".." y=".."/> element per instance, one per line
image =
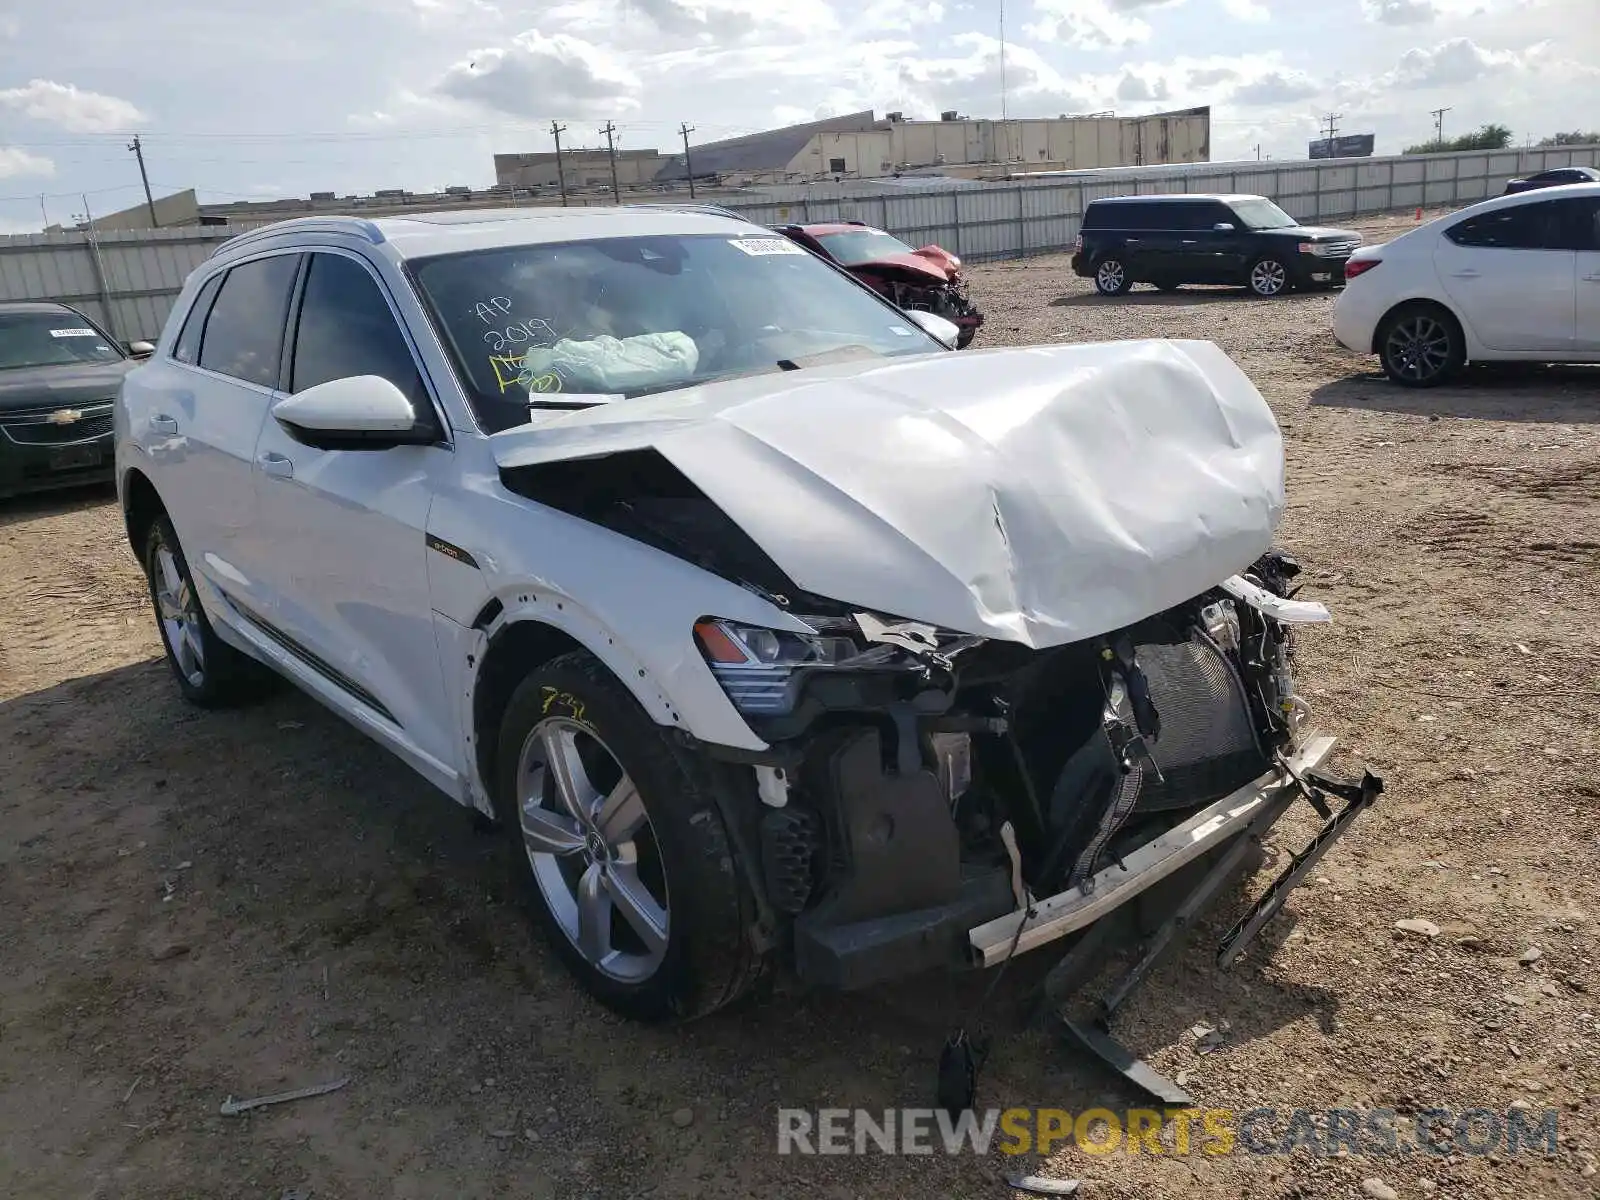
<point x="187" y="348"/>
<point x="1580" y="224"/>
<point x="1523" y="227"/>
<point x="346" y="329"/>
<point x="244" y="333"/>
<point x="1187" y="216"/>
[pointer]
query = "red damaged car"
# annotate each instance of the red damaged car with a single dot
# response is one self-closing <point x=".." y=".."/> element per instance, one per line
<point x="929" y="279"/>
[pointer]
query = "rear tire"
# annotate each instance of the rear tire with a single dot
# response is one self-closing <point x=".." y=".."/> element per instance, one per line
<point x="1111" y="277"/>
<point x="1421" y="346"/>
<point x="621" y="848"/>
<point x="210" y="673"/>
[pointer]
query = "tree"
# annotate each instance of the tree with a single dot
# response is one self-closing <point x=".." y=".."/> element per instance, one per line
<point x="1575" y="138"/>
<point x="1490" y="137"/>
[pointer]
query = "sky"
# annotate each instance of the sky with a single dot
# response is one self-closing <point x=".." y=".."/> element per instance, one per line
<point x="244" y="99"/>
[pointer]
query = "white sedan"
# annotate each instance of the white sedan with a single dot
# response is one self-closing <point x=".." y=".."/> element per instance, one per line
<point x="1512" y="279"/>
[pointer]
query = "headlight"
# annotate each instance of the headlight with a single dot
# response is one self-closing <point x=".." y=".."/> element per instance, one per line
<point x="1320" y="249"/>
<point x="756" y="666"/>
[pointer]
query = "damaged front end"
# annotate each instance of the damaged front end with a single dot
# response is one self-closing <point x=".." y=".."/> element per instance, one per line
<point x="922" y="787"/>
<point x="925" y="291"/>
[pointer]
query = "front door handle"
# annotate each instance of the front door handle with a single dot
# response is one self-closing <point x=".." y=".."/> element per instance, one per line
<point x="1464" y="274"/>
<point x="161" y="423"/>
<point x="1593" y="277"/>
<point x="1189" y="241"/>
<point x="276" y="465"/>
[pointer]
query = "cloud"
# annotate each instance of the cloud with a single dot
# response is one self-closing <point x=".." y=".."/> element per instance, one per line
<point x="15" y="162"/>
<point x="1247" y="10"/>
<point x="1276" y="87"/>
<point x="1400" y="12"/>
<point x="64" y="105"/>
<point x="537" y="76"/>
<point x="1457" y="61"/>
<point x="1136" y="87"/>
<point x="1089" y="24"/>
<point x="1211" y="76"/>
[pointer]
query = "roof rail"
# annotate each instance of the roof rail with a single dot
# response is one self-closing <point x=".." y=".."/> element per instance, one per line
<point x="715" y="210"/>
<point x="330" y="224"/>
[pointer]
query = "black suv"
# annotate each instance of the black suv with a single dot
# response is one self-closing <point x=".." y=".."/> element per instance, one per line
<point x="1173" y="240"/>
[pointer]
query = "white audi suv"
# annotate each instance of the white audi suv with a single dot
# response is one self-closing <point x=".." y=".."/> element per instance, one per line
<point x="765" y="627"/>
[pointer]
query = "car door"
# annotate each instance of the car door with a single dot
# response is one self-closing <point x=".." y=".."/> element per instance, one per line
<point x="1583" y="224"/>
<point x="1510" y="274"/>
<point x="349" y="578"/>
<point x="201" y="424"/>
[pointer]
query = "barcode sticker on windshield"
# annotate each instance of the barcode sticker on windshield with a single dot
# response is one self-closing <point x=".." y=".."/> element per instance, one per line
<point x="72" y="333"/>
<point x="776" y="245"/>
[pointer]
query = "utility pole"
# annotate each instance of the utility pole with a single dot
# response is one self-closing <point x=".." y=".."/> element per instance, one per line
<point x="1438" y="126"/>
<point x="561" y="176"/>
<point x="1258" y="151"/>
<point x="688" y="167"/>
<point x="44" y="212"/>
<point x="138" y="152"/>
<point x="1333" y="129"/>
<point x="611" y="149"/>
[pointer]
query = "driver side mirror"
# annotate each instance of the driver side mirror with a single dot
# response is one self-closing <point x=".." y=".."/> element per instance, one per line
<point x="1223" y="227"/>
<point x="943" y="331"/>
<point x="139" y="349"/>
<point x="359" y="412"/>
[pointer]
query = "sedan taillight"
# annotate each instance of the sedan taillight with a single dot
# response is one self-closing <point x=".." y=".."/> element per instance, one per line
<point x="1359" y="267"/>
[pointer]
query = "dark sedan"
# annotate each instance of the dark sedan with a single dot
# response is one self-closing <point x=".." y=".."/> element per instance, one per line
<point x="1554" y="177"/>
<point x="59" y="373"/>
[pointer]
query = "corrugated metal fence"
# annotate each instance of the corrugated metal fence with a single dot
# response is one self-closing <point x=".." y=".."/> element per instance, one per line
<point x="129" y="280"/>
<point x="125" y="280"/>
<point x="1043" y="215"/>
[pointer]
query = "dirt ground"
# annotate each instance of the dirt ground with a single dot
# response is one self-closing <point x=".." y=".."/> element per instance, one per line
<point x="201" y="905"/>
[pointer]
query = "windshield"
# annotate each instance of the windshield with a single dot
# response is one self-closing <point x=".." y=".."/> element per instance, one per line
<point x="583" y="322"/>
<point x="51" y="339"/>
<point x="1261" y="214"/>
<point x="861" y="245"/>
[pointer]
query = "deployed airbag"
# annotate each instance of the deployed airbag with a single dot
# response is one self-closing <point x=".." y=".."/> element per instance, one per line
<point x="1038" y="495"/>
<point x="607" y="364"/>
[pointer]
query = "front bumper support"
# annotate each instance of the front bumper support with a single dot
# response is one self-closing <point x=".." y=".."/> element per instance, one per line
<point x="1071" y="910"/>
<point x="1092" y="1031"/>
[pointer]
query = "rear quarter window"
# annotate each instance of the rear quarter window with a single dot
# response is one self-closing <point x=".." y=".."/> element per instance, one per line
<point x="187" y="347"/>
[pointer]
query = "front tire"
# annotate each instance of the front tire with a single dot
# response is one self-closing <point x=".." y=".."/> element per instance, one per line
<point x="622" y="851"/>
<point x="1268" y="277"/>
<point x="1111" y="277"/>
<point x="210" y="673"/>
<point x="1421" y="346"/>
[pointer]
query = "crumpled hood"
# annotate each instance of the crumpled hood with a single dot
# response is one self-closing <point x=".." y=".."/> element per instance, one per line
<point x="1038" y="495"/>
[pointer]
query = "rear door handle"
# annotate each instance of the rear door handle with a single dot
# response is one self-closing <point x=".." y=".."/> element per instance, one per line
<point x="161" y="423"/>
<point x="1189" y="241"/>
<point x="1131" y="241"/>
<point x="1593" y="277"/>
<point x="1464" y="274"/>
<point x="276" y="465"/>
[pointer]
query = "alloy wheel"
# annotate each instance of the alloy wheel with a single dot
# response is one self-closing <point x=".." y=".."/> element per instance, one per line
<point x="1418" y="347"/>
<point x="180" y="617"/>
<point x="1267" y="277"/>
<point x="1110" y="276"/>
<point x="593" y="851"/>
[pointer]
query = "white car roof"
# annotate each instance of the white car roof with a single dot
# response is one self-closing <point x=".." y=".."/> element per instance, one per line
<point x="485" y="228"/>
